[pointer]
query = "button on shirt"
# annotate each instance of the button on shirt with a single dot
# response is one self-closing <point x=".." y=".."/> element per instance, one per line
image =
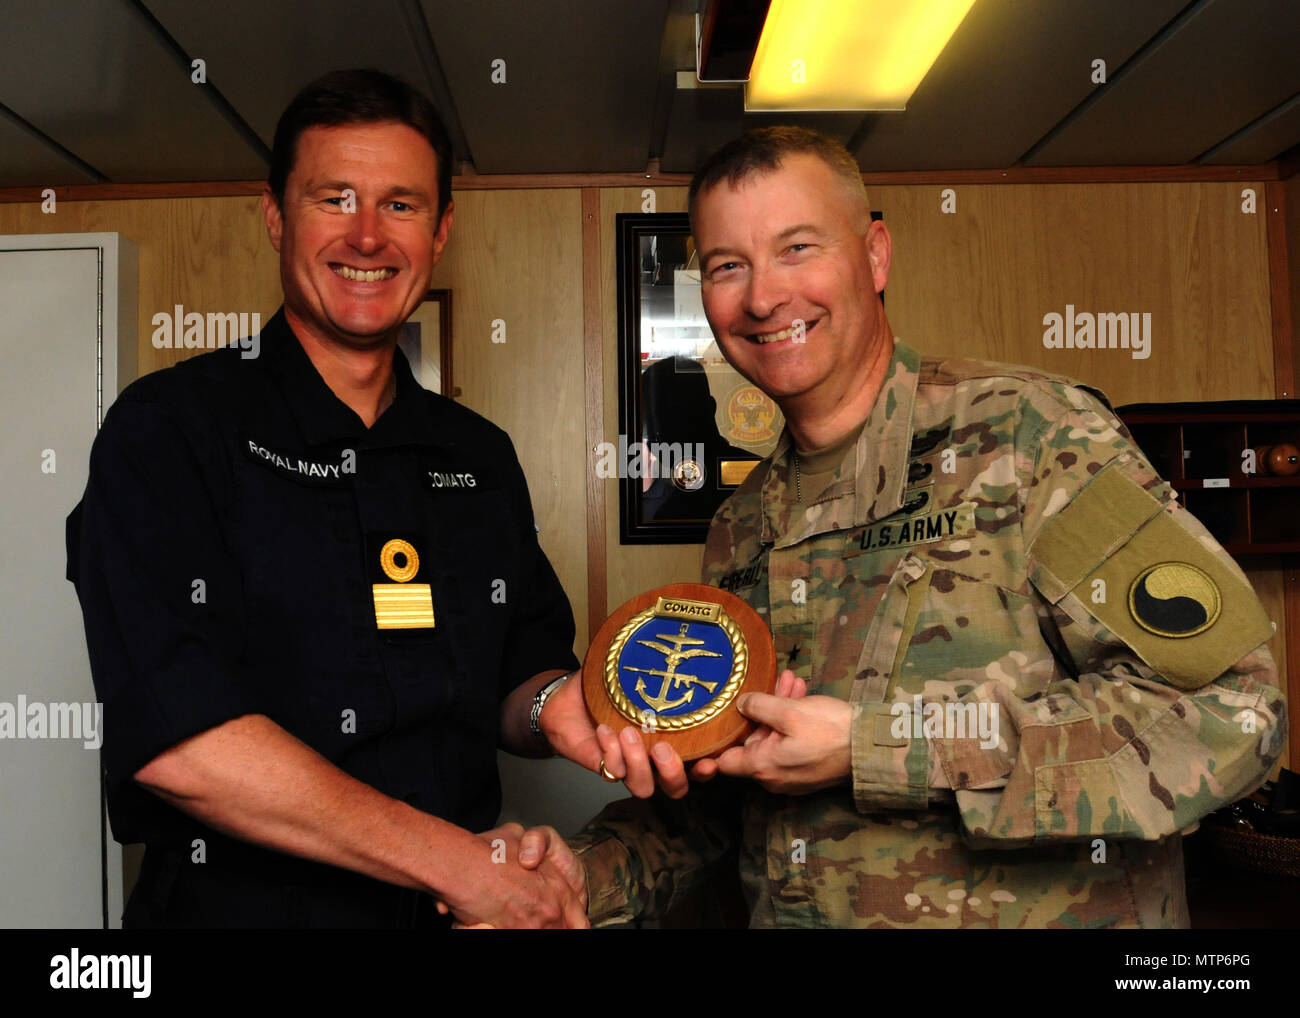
<point x="226" y="553"/>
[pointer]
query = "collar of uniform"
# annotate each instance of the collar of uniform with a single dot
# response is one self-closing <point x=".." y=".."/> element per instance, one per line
<point x="880" y="466"/>
<point x="410" y="417"/>
<point x="323" y="418"/>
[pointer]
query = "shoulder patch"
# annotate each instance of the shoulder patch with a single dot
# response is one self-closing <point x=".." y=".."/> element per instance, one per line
<point x="1174" y="599"/>
<point x="1177" y="604"/>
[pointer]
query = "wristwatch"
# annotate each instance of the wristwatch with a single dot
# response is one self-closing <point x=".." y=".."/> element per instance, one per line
<point x="539" y="701"/>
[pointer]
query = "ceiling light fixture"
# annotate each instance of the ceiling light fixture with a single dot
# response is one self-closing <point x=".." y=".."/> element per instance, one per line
<point x="848" y="54"/>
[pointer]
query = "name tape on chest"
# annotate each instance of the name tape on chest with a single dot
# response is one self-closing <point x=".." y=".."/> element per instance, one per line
<point x="923" y="528"/>
<point x="739" y="579"/>
<point x="440" y="480"/>
<point x="296" y="467"/>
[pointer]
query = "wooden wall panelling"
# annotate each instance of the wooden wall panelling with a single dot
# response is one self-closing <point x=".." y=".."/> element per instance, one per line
<point x="1276" y="170"/>
<point x="1280" y="280"/>
<point x="206" y="254"/>
<point x="978" y="282"/>
<point x="593" y="406"/>
<point x="516" y="257"/>
<point x="1291" y="213"/>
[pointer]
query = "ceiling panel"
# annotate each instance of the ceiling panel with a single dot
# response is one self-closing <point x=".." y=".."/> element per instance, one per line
<point x="1226" y="64"/>
<point x="703" y="119"/>
<point x="699" y="120"/>
<point x="94" y="76"/>
<point x="579" y="81"/>
<point x="260" y="54"/>
<point x="27" y="161"/>
<point x="1011" y="71"/>
<point x="1269" y="137"/>
<point x="591" y="85"/>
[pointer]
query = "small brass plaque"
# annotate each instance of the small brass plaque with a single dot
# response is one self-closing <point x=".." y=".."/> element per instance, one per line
<point x="732" y="473"/>
<point x="680" y="608"/>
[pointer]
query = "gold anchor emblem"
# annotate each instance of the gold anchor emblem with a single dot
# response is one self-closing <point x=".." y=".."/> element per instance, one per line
<point x="632" y="703"/>
<point x="673" y="656"/>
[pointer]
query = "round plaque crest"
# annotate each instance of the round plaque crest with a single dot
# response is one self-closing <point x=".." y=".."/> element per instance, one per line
<point x="674" y="661"/>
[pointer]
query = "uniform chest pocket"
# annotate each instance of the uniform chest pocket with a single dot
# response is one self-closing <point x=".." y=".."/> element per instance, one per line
<point x="458" y="500"/>
<point x="964" y="632"/>
<point x="939" y="633"/>
<point x="298" y="552"/>
<point x="477" y="558"/>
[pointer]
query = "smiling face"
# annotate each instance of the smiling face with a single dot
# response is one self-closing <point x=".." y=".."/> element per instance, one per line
<point x="783" y="247"/>
<point x="353" y="277"/>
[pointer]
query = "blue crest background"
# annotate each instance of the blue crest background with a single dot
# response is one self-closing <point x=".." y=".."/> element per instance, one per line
<point x="710" y="669"/>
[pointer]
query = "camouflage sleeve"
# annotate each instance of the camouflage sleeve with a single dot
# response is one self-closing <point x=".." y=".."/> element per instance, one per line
<point x="1170" y="706"/>
<point x="644" y="855"/>
<point x="1165" y="704"/>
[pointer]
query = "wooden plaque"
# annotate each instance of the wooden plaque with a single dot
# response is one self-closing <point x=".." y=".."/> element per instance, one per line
<point x="674" y="661"/>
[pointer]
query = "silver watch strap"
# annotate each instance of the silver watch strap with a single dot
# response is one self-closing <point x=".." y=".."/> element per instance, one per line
<point x="539" y="701"/>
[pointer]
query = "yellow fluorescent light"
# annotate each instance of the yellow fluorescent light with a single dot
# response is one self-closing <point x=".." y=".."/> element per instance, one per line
<point x="848" y="54"/>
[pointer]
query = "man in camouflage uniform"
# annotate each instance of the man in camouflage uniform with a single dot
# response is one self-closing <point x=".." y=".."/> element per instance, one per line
<point x="1021" y="667"/>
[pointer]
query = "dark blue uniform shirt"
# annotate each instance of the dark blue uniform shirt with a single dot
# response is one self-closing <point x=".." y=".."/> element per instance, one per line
<point x="225" y="554"/>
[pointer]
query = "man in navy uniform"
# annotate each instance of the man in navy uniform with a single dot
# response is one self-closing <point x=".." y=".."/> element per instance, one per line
<point x="313" y="593"/>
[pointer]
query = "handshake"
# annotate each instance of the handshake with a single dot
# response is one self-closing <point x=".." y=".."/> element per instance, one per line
<point x="531" y="879"/>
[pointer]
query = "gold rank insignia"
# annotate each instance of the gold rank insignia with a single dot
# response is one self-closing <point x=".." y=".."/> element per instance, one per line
<point x="402" y="604"/>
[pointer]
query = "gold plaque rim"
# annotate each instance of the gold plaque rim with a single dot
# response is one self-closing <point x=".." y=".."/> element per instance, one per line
<point x="680" y="722"/>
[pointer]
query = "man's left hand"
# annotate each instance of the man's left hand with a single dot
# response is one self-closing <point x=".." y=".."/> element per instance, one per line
<point x="804" y="743"/>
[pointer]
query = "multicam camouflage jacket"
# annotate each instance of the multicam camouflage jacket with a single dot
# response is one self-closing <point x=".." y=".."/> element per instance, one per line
<point x="1055" y="670"/>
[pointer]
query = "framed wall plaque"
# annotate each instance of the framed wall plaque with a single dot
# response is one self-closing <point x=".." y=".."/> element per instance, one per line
<point x="691" y="428"/>
<point x="425" y="339"/>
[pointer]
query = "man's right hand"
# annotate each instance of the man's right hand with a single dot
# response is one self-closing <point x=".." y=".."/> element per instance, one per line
<point x="571" y="732"/>
<point x="546" y="888"/>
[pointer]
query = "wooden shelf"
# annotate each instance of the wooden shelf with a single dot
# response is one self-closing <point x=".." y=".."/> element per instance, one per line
<point x="1201" y="450"/>
<point x="1279" y="548"/>
<point x="1198" y="484"/>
